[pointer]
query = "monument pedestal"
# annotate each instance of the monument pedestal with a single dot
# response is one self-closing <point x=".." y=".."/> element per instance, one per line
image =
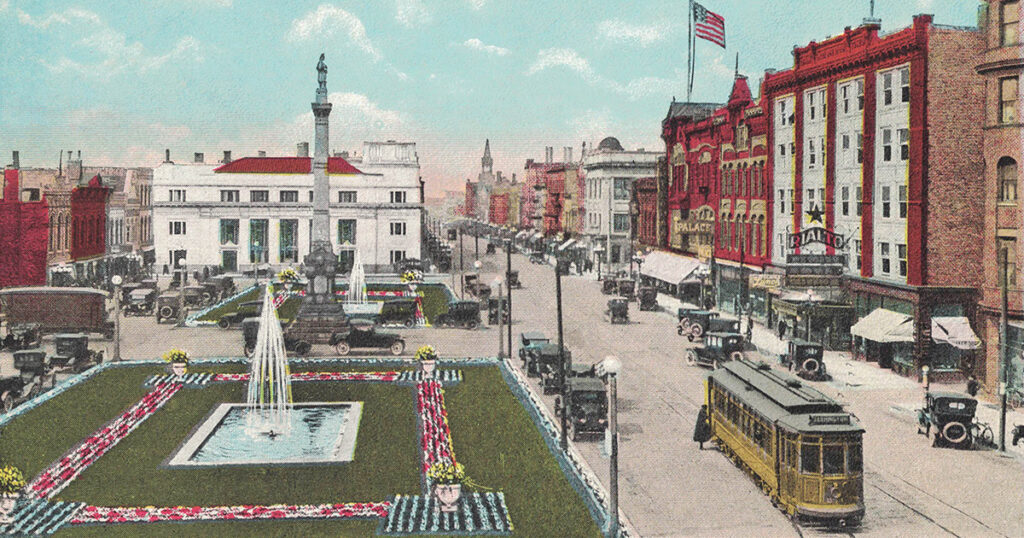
<point x="320" y="315"/>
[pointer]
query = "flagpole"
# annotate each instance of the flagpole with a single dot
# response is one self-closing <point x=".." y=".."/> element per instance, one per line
<point x="689" y="51"/>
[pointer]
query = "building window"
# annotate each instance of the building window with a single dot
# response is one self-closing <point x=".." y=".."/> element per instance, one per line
<point x="903" y="201"/>
<point x="229" y="231"/>
<point x="346" y="197"/>
<point x="782" y="150"/>
<point x="905" y="85"/>
<point x="886" y="145"/>
<point x="311" y="197"/>
<point x="810" y="104"/>
<point x="901" y="255"/>
<point x="845" y="95"/>
<point x="177" y="227"/>
<point x="792" y="202"/>
<point x="846" y="201"/>
<point x="810" y="152"/>
<point x="884" y="249"/>
<point x="397" y="228"/>
<point x="810" y="196"/>
<point x="860" y="94"/>
<point x="856" y="245"/>
<point x="290" y="197"/>
<point x="1008" y="99"/>
<point x="821" y="150"/>
<point x="887" y="88"/>
<point x="621" y="188"/>
<point x="782" y="113"/>
<point x="398" y="197"/>
<point x="229" y="196"/>
<point x="397" y="256"/>
<point x="846" y="142"/>
<point x="288" y="251"/>
<point x="1009" y="16"/>
<point x="620" y="222"/>
<point x="259" y="196"/>
<point x="886" y="206"/>
<point x="1010" y="270"/>
<point x="347" y="231"/>
<point x="860" y="205"/>
<point x="177" y="195"/>
<point x="782" y="201"/>
<point x="258" y="251"/>
<point x="860" y="148"/>
<point x="904" y="136"/>
<point x="1006" y="171"/>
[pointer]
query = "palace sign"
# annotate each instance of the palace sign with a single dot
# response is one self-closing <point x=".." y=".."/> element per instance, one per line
<point x="817" y="235"/>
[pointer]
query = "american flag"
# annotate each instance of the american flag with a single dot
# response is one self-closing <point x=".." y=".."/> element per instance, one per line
<point x="709" y="25"/>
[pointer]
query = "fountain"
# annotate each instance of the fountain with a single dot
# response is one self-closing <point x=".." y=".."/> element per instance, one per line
<point x="356" y="304"/>
<point x="270" y="390"/>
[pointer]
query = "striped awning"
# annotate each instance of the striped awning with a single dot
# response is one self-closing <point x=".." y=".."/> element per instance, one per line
<point x="885" y="326"/>
<point x="955" y="331"/>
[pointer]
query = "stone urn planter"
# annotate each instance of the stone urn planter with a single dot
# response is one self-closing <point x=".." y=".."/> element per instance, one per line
<point x="448" y="496"/>
<point x="428" y="367"/>
<point x="7" y="503"/>
<point x="426" y="356"/>
<point x="179" y="368"/>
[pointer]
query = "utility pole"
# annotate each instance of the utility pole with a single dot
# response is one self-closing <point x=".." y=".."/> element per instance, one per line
<point x="561" y="356"/>
<point x="1003" y="351"/>
<point x="508" y="278"/>
<point x="462" y="275"/>
<point x="501" y="328"/>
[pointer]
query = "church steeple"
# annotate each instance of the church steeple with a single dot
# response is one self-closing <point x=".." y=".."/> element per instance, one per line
<point x="486" y="163"/>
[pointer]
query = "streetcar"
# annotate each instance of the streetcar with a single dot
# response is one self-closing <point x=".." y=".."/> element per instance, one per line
<point x="799" y="445"/>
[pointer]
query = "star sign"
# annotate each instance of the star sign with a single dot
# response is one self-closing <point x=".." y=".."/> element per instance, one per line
<point x="815" y="214"/>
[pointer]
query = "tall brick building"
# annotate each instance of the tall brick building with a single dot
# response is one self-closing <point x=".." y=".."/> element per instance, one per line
<point x="23" y="243"/>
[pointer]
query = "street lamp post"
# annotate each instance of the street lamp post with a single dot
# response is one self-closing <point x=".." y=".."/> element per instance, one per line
<point x="598" y="253"/>
<point x="564" y="368"/>
<point x="116" y="281"/>
<point x="462" y="277"/>
<point x="609" y="368"/>
<point x="501" y="322"/>
<point x="508" y="278"/>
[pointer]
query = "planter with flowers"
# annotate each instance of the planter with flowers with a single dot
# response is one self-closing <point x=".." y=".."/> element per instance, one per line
<point x="447" y="479"/>
<point x="427" y="358"/>
<point x="411" y="277"/>
<point x="178" y="360"/>
<point x="289" y="277"/>
<point x="11" y="483"/>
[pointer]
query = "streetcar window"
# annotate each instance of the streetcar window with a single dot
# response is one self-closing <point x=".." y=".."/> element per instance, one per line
<point x="809" y="458"/>
<point x="854" y="460"/>
<point x="832" y="459"/>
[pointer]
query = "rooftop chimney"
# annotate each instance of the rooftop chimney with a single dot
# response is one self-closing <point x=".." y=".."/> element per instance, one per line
<point x="261" y="153"/>
<point x="199" y="157"/>
<point x="15" y="161"/>
<point x="549" y="154"/>
<point x="167" y="155"/>
<point x="302" y="149"/>
<point x="79" y="154"/>
<point x="227" y="157"/>
<point x="567" y="154"/>
<point x="344" y="154"/>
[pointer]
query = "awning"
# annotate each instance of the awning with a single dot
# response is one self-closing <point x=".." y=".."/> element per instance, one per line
<point x="522" y="234"/>
<point x="955" y="331"/>
<point x="538" y="235"/>
<point x="565" y="245"/>
<point x="669" y="268"/>
<point x="885" y="326"/>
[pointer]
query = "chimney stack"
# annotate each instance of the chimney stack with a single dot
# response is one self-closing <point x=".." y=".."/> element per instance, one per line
<point x="567" y="154"/>
<point x="227" y="157"/>
<point x="262" y="153"/>
<point x="167" y="155"/>
<point x="199" y="157"/>
<point x="15" y="161"/>
<point x="79" y="154"/>
<point x="302" y="149"/>
<point x="549" y="154"/>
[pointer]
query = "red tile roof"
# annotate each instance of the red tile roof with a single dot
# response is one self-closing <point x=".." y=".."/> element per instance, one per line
<point x="284" y="165"/>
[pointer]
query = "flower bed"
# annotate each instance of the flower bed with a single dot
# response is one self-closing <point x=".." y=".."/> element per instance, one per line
<point x="437" y="438"/>
<point x="319" y="376"/>
<point x="153" y="514"/>
<point x="60" y="474"/>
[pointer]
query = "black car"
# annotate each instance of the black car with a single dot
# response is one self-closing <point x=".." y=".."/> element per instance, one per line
<point x="251" y="329"/>
<point x="513" y="279"/>
<point x="461" y="314"/>
<point x="72" y="351"/>
<point x="805" y="358"/>
<point x="618" y="310"/>
<point x="493" y="308"/>
<point x="168" y="306"/>
<point x="140" y="302"/>
<point x="243" y="311"/>
<point x="586" y="406"/>
<point x="529" y="344"/>
<point x="398" y="312"/>
<point x="362" y="335"/>
<point x="648" y="298"/>
<point x="718" y="348"/>
<point x="625" y="287"/>
<point x="33" y="371"/>
<point x="23" y="336"/>
<point x="549" y="364"/>
<point x="952" y="415"/>
<point x="700" y="325"/>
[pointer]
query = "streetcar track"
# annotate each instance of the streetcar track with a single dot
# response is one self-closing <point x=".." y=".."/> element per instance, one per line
<point x="915" y="510"/>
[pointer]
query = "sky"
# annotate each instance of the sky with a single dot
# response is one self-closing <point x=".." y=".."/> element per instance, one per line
<point x="121" y="81"/>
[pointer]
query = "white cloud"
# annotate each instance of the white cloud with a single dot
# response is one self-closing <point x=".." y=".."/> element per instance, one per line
<point x="634" y="89"/>
<point x="925" y="4"/>
<point x="569" y="58"/>
<point x="412" y="13"/>
<point x="354" y="117"/>
<point x="116" y="53"/>
<point x="4" y="4"/>
<point x="327" y="19"/>
<point x="477" y="4"/>
<point x="476" y="44"/>
<point x="642" y="35"/>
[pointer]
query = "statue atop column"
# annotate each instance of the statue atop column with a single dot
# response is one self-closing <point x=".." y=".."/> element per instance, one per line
<point x="321" y="73"/>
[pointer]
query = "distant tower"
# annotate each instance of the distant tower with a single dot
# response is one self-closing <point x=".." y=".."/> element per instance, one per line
<point x="486" y="163"/>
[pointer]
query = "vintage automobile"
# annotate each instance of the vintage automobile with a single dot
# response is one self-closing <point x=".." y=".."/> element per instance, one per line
<point x="33" y="372"/>
<point x="549" y="364"/>
<point x="140" y="302"/>
<point x="193" y="296"/>
<point x="700" y="325"/>
<point x="469" y="281"/>
<point x="625" y="287"/>
<point x="648" y="298"/>
<point x="805" y="359"/>
<point x="150" y="283"/>
<point x="609" y="286"/>
<point x="243" y="311"/>
<point x="718" y="349"/>
<point x="218" y="287"/>
<point x="952" y="416"/>
<point x="251" y="329"/>
<point x="363" y="335"/>
<point x="461" y="314"/>
<point x="126" y="290"/>
<point x="586" y="407"/>
<point x="493" y="307"/>
<point x="453" y="234"/>
<point x="513" y="279"/>
<point x="529" y="344"/>
<point x="168" y="306"/>
<point x="398" y="312"/>
<point x="537" y="257"/>
<point x="23" y="336"/>
<point x="71" y="351"/>
<point x="618" y="310"/>
<point x="491" y="249"/>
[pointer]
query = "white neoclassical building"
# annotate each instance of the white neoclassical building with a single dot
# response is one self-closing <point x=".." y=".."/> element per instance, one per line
<point x="253" y="211"/>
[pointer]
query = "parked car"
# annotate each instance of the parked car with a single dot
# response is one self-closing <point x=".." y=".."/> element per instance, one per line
<point x="251" y="329"/>
<point x="243" y="311"/>
<point x="71" y="350"/>
<point x="648" y="298"/>
<point x="718" y="348"/>
<point x="700" y="325"/>
<point x="625" y="287"/>
<point x="219" y="287"/>
<point x="193" y="296"/>
<point x="492" y="310"/>
<point x="952" y="416"/>
<point x="529" y="344"/>
<point x="618" y="310"/>
<point x="549" y="364"/>
<point x="33" y="372"/>
<point x="141" y="302"/>
<point x="586" y="407"/>
<point x="513" y="279"/>
<point x="362" y="335"/>
<point x="168" y="306"/>
<point x="609" y="286"/>
<point x="491" y="248"/>
<point x="537" y="257"/>
<point x="23" y="336"/>
<point x="398" y="312"/>
<point x="461" y="314"/>
<point x="805" y="358"/>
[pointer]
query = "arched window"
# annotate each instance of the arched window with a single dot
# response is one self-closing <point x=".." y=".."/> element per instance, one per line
<point x="50" y="238"/>
<point x="1006" y="179"/>
<point x="67" y="231"/>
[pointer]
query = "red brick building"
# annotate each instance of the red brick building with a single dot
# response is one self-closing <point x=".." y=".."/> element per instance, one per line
<point x="25" y="228"/>
<point x="554" y="199"/>
<point x="645" y="211"/>
<point x="89" y="220"/>
<point x="875" y="138"/>
<point x="498" y="213"/>
<point x="532" y="195"/>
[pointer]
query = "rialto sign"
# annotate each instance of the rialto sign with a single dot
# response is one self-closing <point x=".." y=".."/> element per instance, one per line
<point x="817" y="234"/>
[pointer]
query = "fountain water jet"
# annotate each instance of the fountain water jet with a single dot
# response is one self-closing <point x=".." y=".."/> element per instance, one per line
<point x="356" y="282"/>
<point x="269" y="400"/>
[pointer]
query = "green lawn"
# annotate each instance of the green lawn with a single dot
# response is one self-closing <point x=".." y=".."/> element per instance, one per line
<point x="492" y="435"/>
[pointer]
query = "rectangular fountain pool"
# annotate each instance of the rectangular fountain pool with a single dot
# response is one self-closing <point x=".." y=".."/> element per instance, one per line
<point x="321" y="432"/>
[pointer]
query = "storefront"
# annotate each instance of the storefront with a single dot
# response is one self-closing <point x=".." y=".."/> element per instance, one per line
<point x="884" y="336"/>
<point x="674" y="275"/>
<point x="812" y="316"/>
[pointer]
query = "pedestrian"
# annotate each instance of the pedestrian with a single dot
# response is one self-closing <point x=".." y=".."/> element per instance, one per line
<point x="973" y="385"/>
<point x="702" y="430"/>
<point x="782" y="329"/>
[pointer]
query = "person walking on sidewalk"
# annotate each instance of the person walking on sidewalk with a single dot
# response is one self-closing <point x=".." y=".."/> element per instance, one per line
<point x="973" y="385"/>
<point x="702" y="430"/>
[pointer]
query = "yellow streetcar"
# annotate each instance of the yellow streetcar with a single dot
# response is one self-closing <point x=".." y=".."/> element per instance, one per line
<point x="800" y="446"/>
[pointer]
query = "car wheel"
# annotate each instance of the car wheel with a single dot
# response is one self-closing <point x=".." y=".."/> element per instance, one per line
<point x="8" y="402"/>
<point x="697" y="331"/>
<point x="954" y="432"/>
<point x="810" y="365"/>
<point x="471" y="325"/>
<point x="397" y="348"/>
<point x="166" y="312"/>
<point x="691" y="358"/>
<point x="207" y="298"/>
<point x="409" y="322"/>
<point x="736" y="355"/>
<point x="302" y="348"/>
<point x="249" y="350"/>
<point x="342" y="348"/>
<point x="572" y="432"/>
<point x="715" y="364"/>
<point x="224" y="323"/>
<point x="689" y="337"/>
